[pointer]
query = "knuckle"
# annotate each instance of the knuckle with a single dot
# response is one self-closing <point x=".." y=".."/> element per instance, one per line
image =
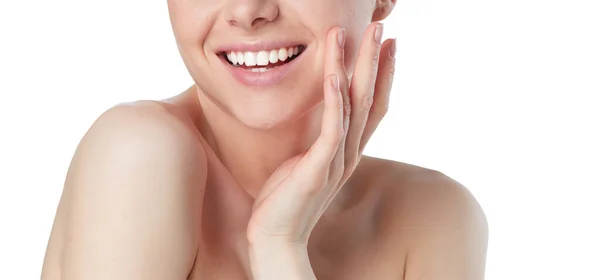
<point x="392" y="71"/>
<point x="375" y="59"/>
<point x="368" y="102"/>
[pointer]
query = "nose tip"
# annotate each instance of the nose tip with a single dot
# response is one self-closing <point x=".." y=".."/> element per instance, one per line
<point x="251" y="14"/>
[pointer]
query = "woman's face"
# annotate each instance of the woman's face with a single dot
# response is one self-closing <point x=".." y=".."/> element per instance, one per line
<point x="265" y="32"/>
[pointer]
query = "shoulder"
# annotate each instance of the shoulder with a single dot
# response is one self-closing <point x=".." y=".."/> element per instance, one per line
<point x="435" y="219"/>
<point x="139" y="131"/>
<point x="141" y="118"/>
<point x="139" y="146"/>
<point x="136" y="145"/>
<point x="136" y="178"/>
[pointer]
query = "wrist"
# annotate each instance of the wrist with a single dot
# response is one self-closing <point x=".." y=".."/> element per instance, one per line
<point x="275" y="259"/>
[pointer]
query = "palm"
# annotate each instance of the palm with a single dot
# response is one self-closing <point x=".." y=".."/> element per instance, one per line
<point x="269" y="202"/>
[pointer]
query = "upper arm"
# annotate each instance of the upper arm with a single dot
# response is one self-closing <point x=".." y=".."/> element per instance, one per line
<point x="443" y="228"/>
<point x="134" y="197"/>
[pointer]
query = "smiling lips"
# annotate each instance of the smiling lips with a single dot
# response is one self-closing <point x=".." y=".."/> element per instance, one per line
<point x="263" y="58"/>
<point x="261" y="68"/>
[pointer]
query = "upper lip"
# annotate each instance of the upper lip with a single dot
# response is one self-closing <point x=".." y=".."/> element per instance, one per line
<point x="258" y="46"/>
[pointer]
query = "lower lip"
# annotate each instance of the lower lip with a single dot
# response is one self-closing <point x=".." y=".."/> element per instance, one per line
<point x="268" y="78"/>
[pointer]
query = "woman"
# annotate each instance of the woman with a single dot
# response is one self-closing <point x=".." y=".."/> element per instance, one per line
<point x="255" y="172"/>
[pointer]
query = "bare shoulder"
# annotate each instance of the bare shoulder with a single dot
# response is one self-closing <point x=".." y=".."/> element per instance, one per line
<point x="433" y="218"/>
<point x="145" y="116"/>
<point x="138" y="135"/>
<point x="131" y="198"/>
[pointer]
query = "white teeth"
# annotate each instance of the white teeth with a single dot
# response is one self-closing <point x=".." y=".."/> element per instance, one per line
<point x="262" y="58"/>
<point x="274" y="56"/>
<point x="232" y="56"/>
<point x="259" y="70"/>
<point x="282" y="54"/>
<point x="240" y="58"/>
<point x="250" y="58"/>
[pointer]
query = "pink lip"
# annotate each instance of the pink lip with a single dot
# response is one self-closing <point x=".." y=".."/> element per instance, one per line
<point x="261" y="79"/>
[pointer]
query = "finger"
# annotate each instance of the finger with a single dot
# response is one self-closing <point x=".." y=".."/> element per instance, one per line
<point x="361" y="92"/>
<point x="383" y="87"/>
<point x="357" y="101"/>
<point x="338" y="104"/>
<point x="322" y="152"/>
<point x="326" y="155"/>
<point x="334" y="57"/>
<point x="334" y="64"/>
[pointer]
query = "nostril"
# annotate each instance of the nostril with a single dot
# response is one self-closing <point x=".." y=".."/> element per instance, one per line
<point x="251" y="14"/>
<point x="266" y="15"/>
<point x="259" y="22"/>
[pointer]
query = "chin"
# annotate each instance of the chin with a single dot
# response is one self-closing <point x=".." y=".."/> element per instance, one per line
<point x="269" y="116"/>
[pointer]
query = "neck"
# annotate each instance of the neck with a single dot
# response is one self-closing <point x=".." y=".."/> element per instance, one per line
<point x="251" y="155"/>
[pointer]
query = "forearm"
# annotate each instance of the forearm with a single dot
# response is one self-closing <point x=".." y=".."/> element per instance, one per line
<point x="280" y="260"/>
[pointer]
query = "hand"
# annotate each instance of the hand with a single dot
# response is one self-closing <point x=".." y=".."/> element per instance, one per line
<point x="298" y="192"/>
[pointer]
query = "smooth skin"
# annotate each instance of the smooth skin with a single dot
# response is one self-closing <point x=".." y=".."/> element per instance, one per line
<point x="152" y="194"/>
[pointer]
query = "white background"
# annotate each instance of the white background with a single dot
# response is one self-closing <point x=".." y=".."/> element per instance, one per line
<point x="500" y="95"/>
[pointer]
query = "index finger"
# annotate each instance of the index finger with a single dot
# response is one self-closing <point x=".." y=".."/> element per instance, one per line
<point x="334" y="65"/>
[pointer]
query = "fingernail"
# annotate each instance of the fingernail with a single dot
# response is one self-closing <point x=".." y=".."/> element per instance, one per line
<point x="335" y="82"/>
<point x="393" y="48"/>
<point x="341" y="37"/>
<point x="378" y="33"/>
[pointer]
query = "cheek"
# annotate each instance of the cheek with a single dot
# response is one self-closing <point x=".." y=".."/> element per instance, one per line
<point x="356" y="21"/>
<point x="320" y="16"/>
<point x="330" y="13"/>
<point x="191" y="20"/>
